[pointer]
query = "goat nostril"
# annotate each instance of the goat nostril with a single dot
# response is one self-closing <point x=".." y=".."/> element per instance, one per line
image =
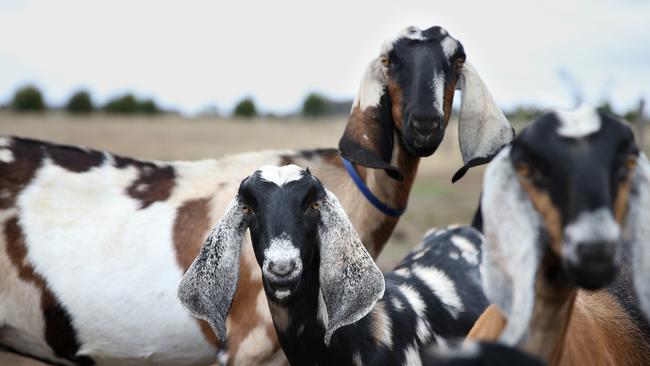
<point x="282" y="268"/>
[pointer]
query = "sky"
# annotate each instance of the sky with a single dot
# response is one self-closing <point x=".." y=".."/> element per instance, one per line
<point x="192" y="54"/>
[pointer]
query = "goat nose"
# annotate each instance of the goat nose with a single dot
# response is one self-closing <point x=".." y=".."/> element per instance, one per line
<point x="596" y="251"/>
<point x="282" y="267"/>
<point x="424" y="126"/>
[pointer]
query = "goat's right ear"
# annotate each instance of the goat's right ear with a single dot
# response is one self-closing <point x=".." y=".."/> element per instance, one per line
<point x="209" y="285"/>
<point x="369" y="134"/>
<point x="350" y="281"/>
<point x="637" y="230"/>
<point x="483" y="130"/>
<point x="510" y="259"/>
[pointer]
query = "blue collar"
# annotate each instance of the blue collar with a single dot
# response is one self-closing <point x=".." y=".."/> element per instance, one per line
<point x="387" y="210"/>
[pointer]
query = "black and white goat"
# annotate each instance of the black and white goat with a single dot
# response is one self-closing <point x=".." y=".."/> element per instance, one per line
<point x="93" y="245"/>
<point x="329" y="302"/>
<point x="566" y="209"/>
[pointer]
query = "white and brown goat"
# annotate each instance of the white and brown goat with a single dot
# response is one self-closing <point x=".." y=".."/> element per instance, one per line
<point x="93" y="245"/>
<point x="566" y="213"/>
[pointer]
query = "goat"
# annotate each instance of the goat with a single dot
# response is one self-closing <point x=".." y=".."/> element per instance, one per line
<point x="564" y="209"/>
<point x="329" y="302"/>
<point x="93" y="245"/>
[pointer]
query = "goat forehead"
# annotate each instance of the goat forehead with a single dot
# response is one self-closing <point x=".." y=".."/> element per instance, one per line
<point x="281" y="175"/>
<point x="448" y="43"/>
<point x="577" y="123"/>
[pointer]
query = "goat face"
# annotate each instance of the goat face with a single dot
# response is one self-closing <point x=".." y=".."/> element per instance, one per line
<point x="560" y="205"/>
<point x="301" y="237"/>
<point x="284" y="205"/>
<point x="407" y="92"/>
<point x="576" y="169"/>
<point x="421" y="68"/>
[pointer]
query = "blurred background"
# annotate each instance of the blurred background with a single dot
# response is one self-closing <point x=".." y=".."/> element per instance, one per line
<point x="192" y="80"/>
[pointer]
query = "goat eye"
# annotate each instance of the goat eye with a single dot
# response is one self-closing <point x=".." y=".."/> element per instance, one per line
<point x="630" y="162"/>
<point x="315" y="206"/>
<point x="385" y="61"/>
<point x="459" y="63"/>
<point x="246" y="210"/>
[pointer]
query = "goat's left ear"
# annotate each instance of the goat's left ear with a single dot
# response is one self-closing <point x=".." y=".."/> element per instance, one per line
<point x="209" y="285"/>
<point x="637" y="229"/>
<point x="511" y="257"/>
<point x="350" y="281"/>
<point x="483" y="130"/>
<point x="369" y="134"/>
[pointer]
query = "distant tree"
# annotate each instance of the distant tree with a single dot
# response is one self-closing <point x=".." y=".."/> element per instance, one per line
<point x="245" y="109"/>
<point x="315" y="105"/>
<point x="125" y="104"/>
<point x="28" y="99"/>
<point x="148" y="107"/>
<point x="80" y="102"/>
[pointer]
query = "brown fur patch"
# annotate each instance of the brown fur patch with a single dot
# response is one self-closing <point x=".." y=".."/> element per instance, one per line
<point x="27" y="158"/>
<point x="242" y="315"/>
<point x="489" y="325"/>
<point x="622" y="199"/>
<point x="73" y="158"/>
<point x="154" y="183"/>
<point x="60" y="334"/>
<point x="190" y="230"/>
<point x="541" y="200"/>
<point x="396" y="97"/>
<point x="449" y="99"/>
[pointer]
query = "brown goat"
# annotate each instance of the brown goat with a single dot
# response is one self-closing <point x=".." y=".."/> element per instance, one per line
<point x="566" y="208"/>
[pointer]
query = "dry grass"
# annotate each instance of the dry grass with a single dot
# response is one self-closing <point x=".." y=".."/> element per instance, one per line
<point x="434" y="201"/>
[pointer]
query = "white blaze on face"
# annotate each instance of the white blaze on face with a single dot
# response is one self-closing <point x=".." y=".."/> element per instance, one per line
<point x="281" y="175"/>
<point x="438" y="89"/>
<point x="578" y="123"/>
<point x="596" y="226"/>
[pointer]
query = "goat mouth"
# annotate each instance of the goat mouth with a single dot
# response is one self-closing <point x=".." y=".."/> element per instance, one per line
<point x="281" y="290"/>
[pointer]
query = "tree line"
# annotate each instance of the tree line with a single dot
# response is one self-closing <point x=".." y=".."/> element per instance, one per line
<point x="29" y="98"/>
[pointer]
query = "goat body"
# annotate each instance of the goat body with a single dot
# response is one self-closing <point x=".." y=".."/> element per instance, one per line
<point x="433" y="295"/>
<point x="94" y="246"/>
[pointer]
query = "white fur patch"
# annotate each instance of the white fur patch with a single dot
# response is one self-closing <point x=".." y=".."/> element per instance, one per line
<point x="467" y="249"/>
<point x="281" y="175"/>
<point x="438" y="90"/>
<point x="402" y="272"/>
<point x="5" y="141"/>
<point x="418" y="305"/>
<point x="373" y="85"/>
<point x="590" y="227"/>
<point x="119" y="258"/>
<point x="282" y="250"/>
<point x="442" y="286"/>
<point x="397" y="304"/>
<point x="412" y="356"/>
<point x="6" y="156"/>
<point x="381" y="326"/>
<point x="356" y="359"/>
<point x="578" y="123"/>
<point x="449" y="47"/>
<point x="322" y="310"/>
<point x="511" y="254"/>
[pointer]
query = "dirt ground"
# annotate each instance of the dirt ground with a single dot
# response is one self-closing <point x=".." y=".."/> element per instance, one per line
<point x="434" y="201"/>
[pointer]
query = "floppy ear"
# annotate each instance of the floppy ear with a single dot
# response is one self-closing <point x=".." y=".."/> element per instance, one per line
<point x="482" y="128"/>
<point x="350" y="281"/>
<point x="368" y="136"/>
<point x="208" y="286"/>
<point x="511" y="257"/>
<point x="637" y="228"/>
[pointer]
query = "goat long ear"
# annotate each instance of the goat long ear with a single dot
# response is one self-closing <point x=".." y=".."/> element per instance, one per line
<point x="511" y="258"/>
<point x="637" y="228"/>
<point x="350" y="281"/>
<point x="369" y="134"/>
<point x="208" y="286"/>
<point x="483" y="130"/>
